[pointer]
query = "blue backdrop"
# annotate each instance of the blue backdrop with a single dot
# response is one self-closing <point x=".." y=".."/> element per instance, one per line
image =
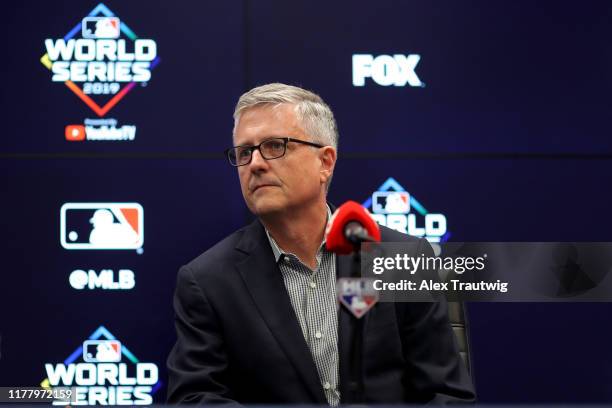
<point x="507" y="135"/>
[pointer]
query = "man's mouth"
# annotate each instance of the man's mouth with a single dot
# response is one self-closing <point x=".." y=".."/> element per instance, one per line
<point x="263" y="185"/>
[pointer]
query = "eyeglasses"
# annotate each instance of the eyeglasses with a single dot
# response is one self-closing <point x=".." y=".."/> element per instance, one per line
<point x="269" y="149"/>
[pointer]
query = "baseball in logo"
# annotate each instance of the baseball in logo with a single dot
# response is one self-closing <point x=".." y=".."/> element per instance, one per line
<point x="101" y="60"/>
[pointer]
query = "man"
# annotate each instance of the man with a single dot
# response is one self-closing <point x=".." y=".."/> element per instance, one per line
<point x="256" y="315"/>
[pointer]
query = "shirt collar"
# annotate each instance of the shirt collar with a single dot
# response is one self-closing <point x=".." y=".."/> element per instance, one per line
<point x="278" y="252"/>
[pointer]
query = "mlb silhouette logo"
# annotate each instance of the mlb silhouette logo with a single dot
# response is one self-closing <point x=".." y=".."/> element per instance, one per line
<point x="101" y="27"/>
<point x="102" y="226"/>
<point x="102" y="351"/>
<point x="391" y="202"/>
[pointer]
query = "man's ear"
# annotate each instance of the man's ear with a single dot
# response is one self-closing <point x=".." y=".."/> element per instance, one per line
<point x="327" y="156"/>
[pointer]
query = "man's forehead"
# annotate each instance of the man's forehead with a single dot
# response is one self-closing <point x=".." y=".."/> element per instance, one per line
<point x="267" y="120"/>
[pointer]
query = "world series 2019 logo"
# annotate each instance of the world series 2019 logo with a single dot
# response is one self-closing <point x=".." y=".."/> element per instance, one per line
<point x="101" y="60"/>
<point x="104" y="372"/>
<point x="392" y="206"/>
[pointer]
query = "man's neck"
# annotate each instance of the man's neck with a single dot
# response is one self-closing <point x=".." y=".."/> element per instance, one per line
<point x="299" y="232"/>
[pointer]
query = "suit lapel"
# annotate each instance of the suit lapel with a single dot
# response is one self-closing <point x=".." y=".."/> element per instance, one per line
<point x="265" y="283"/>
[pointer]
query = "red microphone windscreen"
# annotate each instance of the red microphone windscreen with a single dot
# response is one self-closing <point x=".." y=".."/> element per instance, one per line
<point x="335" y="240"/>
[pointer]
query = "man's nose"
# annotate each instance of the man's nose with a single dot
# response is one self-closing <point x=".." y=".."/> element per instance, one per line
<point x="257" y="161"/>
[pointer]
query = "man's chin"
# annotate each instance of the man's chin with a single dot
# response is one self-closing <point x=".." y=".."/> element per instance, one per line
<point x="266" y="206"/>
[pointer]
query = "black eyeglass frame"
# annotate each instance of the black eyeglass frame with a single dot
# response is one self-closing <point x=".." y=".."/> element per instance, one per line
<point x="285" y="140"/>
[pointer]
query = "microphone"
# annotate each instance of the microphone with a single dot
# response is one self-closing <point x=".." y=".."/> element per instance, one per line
<point x="348" y="227"/>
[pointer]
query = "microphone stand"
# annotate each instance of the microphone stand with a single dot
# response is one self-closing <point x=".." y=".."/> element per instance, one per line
<point x="356" y="376"/>
<point x="356" y="234"/>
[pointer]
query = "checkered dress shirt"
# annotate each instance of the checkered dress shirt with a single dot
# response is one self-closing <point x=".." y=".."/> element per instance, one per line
<point x="313" y="297"/>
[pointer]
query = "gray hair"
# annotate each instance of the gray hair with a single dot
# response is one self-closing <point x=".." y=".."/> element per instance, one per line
<point x="313" y="114"/>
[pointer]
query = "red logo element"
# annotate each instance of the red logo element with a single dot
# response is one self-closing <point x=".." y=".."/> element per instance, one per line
<point x="75" y="133"/>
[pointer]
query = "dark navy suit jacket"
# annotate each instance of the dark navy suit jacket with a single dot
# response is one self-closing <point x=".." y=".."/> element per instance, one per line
<point x="238" y="339"/>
